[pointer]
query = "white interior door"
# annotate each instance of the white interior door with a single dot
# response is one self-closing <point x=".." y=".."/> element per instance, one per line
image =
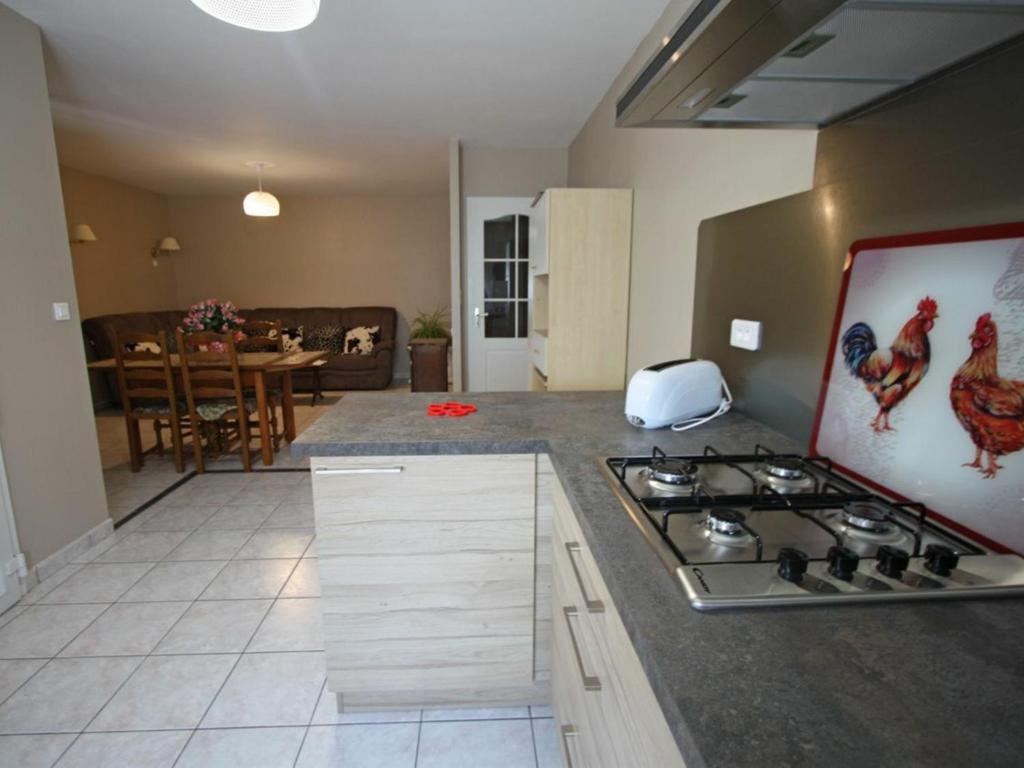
<point x="497" y="291"/>
<point x="10" y="585"/>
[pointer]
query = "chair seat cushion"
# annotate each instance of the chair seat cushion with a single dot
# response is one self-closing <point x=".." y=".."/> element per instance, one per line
<point x="212" y="410"/>
<point x="160" y="407"/>
<point x="351" y="363"/>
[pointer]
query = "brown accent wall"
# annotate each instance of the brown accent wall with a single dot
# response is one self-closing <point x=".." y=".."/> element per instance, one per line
<point x="46" y="425"/>
<point x="321" y="251"/>
<point x="950" y="154"/>
<point x="115" y="274"/>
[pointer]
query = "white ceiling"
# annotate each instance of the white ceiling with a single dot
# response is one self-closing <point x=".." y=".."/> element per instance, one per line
<point x="158" y="94"/>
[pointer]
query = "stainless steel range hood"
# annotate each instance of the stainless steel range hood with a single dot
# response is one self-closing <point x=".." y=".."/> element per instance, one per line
<point x="807" y="63"/>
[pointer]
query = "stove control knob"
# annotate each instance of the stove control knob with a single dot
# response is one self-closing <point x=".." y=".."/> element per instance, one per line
<point x="940" y="559"/>
<point x="842" y="562"/>
<point x="892" y="561"/>
<point x="792" y="564"/>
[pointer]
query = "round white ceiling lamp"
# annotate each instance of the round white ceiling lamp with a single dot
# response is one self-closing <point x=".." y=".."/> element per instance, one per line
<point x="258" y="202"/>
<point x="263" y="15"/>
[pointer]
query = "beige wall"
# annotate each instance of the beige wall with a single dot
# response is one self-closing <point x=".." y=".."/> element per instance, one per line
<point x="321" y="251"/>
<point x="680" y="176"/>
<point x="46" y="425"/>
<point x="115" y="274"/>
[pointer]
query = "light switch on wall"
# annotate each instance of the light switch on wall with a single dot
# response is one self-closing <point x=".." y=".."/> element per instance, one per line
<point x="746" y="334"/>
<point x="61" y="310"/>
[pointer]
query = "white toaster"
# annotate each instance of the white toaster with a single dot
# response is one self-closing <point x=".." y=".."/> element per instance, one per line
<point x="680" y="393"/>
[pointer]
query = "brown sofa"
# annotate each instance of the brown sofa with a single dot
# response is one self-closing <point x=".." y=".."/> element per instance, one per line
<point x="372" y="371"/>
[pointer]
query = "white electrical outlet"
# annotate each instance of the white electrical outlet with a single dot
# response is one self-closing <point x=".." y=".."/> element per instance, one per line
<point x="61" y="311"/>
<point x="746" y="334"/>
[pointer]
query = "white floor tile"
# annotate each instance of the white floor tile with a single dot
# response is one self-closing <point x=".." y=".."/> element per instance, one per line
<point x="360" y="746"/>
<point x="291" y="625"/>
<point x="304" y="581"/>
<point x="545" y="740"/>
<point x="215" y="626"/>
<point x="123" y="750"/>
<point x="276" y="479"/>
<point x="97" y="549"/>
<point x="488" y="713"/>
<point x="250" y="495"/>
<point x="302" y="494"/>
<point x="11" y="614"/>
<point x="42" y="631"/>
<point x="245" y="516"/>
<point x="98" y="583"/>
<point x="146" y="547"/>
<point x="166" y="692"/>
<point x="249" y="580"/>
<point x="476" y="744"/>
<point x="194" y="496"/>
<point x="126" y="629"/>
<point x="14" y="673"/>
<point x="179" y="518"/>
<point x="544" y="711"/>
<point x="205" y="544"/>
<point x="269" y="689"/>
<point x="46" y="587"/>
<point x="242" y="748"/>
<point x="291" y="515"/>
<point x="33" y="751"/>
<point x="174" y="581"/>
<point x="270" y="543"/>
<point x="327" y="713"/>
<point x="64" y="695"/>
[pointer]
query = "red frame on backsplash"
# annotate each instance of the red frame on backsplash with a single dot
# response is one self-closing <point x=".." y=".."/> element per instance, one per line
<point x="939" y="237"/>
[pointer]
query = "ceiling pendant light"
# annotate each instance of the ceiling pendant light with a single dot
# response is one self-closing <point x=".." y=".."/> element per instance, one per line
<point x="263" y="15"/>
<point x="258" y="202"/>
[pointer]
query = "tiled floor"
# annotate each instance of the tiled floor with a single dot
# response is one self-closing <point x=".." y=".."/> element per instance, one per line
<point x="192" y="638"/>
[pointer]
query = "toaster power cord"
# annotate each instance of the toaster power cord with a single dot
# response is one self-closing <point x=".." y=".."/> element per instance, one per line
<point x="723" y="408"/>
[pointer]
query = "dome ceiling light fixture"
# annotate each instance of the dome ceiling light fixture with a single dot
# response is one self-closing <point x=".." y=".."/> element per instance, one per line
<point x="263" y="15"/>
<point x="258" y="202"/>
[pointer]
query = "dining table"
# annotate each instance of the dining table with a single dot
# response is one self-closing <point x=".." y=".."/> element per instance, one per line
<point x="255" y="369"/>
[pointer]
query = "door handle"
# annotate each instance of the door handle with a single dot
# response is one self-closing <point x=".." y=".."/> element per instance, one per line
<point x="593" y="606"/>
<point x="590" y="682"/>
<point x="569" y="734"/>
<point x="477" y="314"/>
<point x="358" y="470"/>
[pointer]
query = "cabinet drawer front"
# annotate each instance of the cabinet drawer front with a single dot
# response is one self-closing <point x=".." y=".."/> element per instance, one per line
<point x="427" y="573"/>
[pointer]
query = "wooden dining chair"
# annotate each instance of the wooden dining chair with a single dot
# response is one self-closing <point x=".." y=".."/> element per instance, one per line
<point x="213" y="392"/>
<point x="265" y="336"/>
<point x="145" y="379"/>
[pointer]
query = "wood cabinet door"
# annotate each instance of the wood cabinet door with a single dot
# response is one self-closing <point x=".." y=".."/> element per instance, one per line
<point x="427" y="573"/>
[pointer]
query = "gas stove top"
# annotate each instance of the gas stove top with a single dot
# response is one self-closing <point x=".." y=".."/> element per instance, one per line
<point x="766" y="528"/>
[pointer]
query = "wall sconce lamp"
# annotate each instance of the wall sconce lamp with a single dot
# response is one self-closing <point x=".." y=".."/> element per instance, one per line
<point x="165" y="246"/>
<point x="82" y="233"/>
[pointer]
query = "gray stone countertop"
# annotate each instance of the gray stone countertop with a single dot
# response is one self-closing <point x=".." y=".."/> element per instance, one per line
<point x="930" y="684"/>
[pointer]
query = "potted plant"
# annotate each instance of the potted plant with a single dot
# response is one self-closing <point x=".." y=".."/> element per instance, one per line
<point x="429" y="336"/>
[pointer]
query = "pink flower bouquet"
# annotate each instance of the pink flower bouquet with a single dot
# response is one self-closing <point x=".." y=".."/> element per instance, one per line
<point x="215" y="316"/>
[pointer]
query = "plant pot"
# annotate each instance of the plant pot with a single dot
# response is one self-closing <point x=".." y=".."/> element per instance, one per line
<point x="428" y="361"/>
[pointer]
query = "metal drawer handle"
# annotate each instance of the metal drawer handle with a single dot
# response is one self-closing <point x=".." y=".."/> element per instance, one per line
<point x="358" y="470"/>
<point x="569" y="733"/>
<point x="593" y="606"/>
<point x="590" y="682"/>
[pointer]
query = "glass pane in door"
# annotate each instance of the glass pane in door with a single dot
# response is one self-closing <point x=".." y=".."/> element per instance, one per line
<point x="500" y="322"/>
<point x="500" y="238"/>
<point x="523" y="222"/>
<point x="498" y="279"/>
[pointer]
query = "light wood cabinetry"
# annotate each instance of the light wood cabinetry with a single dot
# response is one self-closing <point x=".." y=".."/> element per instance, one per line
<point x="605" y="710"/>
<point x="435" y="578"/>
<point x="580" y="241"/>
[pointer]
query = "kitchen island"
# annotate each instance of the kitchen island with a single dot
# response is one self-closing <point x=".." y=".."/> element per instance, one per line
<point x="930" y="684"/>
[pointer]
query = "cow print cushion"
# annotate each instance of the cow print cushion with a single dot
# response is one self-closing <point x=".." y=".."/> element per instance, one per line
<point x="326" y="338"/>
<point x="142" y="346"/>
<point x="361" y="340"/>
<point x="291" y="338"/>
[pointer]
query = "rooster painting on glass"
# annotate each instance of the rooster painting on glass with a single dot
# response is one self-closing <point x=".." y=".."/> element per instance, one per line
<point x="923" y="391"/>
